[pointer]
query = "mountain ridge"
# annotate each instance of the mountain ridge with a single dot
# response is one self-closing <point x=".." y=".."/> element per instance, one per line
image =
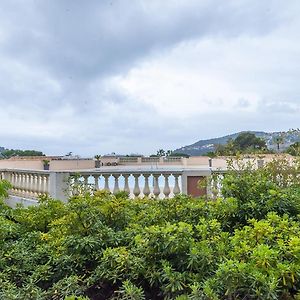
<point x="203" y="146"/>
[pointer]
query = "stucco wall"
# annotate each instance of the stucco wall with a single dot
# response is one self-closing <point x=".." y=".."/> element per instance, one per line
<point x="21" y="164"/>
<point x="55" y="165"/>
<point x="72" y="164"/>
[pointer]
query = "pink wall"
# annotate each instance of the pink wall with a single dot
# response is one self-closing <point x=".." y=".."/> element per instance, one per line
<point x="21" y="164"/>
<point x="55" y="165"/>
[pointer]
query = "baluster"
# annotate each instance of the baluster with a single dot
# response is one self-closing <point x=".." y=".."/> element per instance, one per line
<point x="19" y="184"/>
<point x="176" y="189"/>
<point x="136" y="190"/>
<point x="28" y="185"/>
<point x="156" y="189"/>
<point x="166" y="189"/>
<point x="20" y="179"/>
<point x="23" y="179"/>
<point x="116" y="186"/>
<point x="126" y="184"/>
<point x="45" y="184"/>
<point x="35" y="187"/>
<point x="106" y="184"/>
<point x="96" y="177"/>
<point x="86" y="180"/>
<point x="42" y="184"/>
<point x="10" y="179"/>
<point x="146" y="190"/>
<point x="13" y="182"/>
<point x="38" y="184"/>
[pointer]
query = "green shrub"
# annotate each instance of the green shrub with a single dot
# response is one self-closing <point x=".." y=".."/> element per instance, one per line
<point x="244" y="245"/>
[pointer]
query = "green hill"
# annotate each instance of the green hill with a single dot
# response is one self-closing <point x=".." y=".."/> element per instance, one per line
<point x="203" y="146"/>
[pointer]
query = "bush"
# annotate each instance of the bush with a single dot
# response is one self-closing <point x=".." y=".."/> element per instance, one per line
<point x="244" y="245"/>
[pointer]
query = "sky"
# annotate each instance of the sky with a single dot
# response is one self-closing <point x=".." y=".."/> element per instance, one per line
<point x="133" y="76"/>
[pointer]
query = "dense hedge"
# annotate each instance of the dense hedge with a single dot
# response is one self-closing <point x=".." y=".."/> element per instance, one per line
<point x="245" y="245"/>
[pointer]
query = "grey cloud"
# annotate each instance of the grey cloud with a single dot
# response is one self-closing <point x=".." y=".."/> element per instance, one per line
<point x="82" y="40"/>
<point x="280" y="107"/>
<point x="56" y="57"/>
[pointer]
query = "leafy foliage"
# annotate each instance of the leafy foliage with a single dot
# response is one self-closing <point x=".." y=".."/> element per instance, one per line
<point x="294" y="149"/>
<point x="243" y="245"/>
<point x="4" y="187"/>
<point x="245" y="142"/>
<point x="7" y="153"/>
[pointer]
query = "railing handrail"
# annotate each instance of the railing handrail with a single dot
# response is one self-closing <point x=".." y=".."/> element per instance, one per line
<point x="118" y="171"/>
<point x="44" y="172"/>
<point x="125" y="172"/>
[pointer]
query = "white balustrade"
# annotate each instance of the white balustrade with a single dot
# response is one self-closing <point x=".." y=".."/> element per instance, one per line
<point x="135" y="183"/>
<point x="148" y="182"/>
<point x="27" y="184"/>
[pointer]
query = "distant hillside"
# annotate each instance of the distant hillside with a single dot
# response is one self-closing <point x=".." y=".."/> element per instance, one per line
<point x="203" y="146"/>
<point x="7" y="153"/>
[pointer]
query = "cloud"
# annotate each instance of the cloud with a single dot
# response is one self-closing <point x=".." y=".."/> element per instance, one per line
<point x="122" y="76"/>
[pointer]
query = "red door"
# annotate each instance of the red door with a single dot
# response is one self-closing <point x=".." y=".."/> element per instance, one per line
<point x="196" y="186"/>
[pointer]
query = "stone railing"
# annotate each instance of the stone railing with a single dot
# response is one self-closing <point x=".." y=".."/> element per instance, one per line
<point x="137" y="182"/>
<point x="150" y="159"/>
<point x="173" y="159"/>
<point x="129" y="159"/>
<point x="27" y="184"/>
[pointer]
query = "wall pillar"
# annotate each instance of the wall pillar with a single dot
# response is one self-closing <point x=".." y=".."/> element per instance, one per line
<point x="59" y="185"/>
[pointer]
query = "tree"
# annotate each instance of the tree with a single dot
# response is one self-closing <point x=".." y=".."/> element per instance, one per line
<point x="285" y="136"/>
<point x="294" y="149"/>
<point x="4" y="187"/>
<point x="248" y="140"/>
<point x="169" y="153"/>
<point x="278" y="140"/>
<point x="161" y="152"/>
<point x="16" y="152"/>
<point x="245" y="142"/>
<point x="97" y="157"/>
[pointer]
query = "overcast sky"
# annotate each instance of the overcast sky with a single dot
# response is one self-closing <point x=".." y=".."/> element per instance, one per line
<point x="133" y="76"/>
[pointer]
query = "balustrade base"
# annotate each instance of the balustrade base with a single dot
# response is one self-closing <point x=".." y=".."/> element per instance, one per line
<point x="12" y="201"/>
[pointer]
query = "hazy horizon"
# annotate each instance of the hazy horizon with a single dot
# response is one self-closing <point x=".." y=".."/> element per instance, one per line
<point x="74" y="153"/>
